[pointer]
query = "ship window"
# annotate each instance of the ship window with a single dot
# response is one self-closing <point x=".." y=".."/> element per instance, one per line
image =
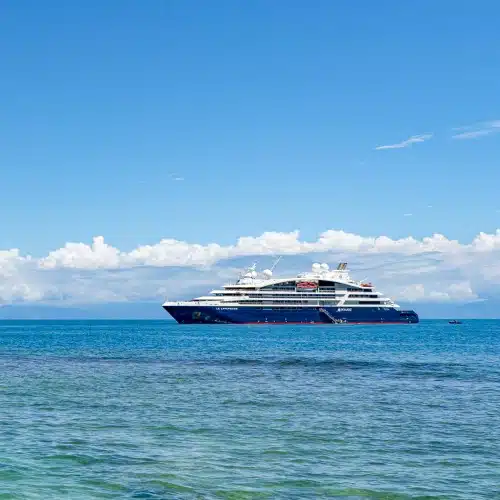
<point x="326" y="283"/>
<point x="285" y="285"/>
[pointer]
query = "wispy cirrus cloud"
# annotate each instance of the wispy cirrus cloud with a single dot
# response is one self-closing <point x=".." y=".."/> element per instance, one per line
<point x="406" y="143"/>
<point x="176" y="177"/>
<point x="478" y="130"/>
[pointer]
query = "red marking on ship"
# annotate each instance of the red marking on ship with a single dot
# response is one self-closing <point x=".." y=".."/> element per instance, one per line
<point x="307" y="285"/>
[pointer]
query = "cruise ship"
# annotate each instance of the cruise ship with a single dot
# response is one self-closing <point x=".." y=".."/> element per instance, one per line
<point x="319" y="296"/>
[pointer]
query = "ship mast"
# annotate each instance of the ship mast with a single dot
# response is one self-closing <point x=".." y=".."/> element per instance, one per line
<point x="275" y="263"/>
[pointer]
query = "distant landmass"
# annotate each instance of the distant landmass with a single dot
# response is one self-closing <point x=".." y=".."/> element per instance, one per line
<point x="153" y="310"/>
<point x="134" y="310"/>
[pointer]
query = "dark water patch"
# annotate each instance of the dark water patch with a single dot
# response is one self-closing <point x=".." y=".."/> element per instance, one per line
<point x="77" y="459"/>
<point x="424" y="369"/>
<point x="276" y="452"/>
<point x="294" y="483"/>
<point x="146" y="494"/>
<point x="367" y="494"/>
<point x="170" y="486"/>
<point x="402" y="369"/>
<point x="446" y="371"/>
<point x="249" y="402"/>
<point x="11" y="474"/>
<point x="333" y="363"/>
<point x="236" y="362"/>
<point x="105" y="485"/>
<point x="241" y="494"/>
<point x="178" y="429"/>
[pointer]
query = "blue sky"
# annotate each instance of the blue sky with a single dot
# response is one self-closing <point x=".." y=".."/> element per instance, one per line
<point x="269" y="112"/>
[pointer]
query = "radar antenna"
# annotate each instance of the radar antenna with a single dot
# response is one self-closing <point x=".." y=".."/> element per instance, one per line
<point x="247" y="270"/>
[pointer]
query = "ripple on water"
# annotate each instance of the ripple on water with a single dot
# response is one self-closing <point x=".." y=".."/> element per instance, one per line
<point x="153" y="410"/>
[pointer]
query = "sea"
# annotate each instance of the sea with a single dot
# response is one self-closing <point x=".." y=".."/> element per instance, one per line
<point x="156" y="410"/>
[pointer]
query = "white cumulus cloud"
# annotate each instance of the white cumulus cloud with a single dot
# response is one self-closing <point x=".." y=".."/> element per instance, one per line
<point x="432" y="269"/>
<point x="171" y="252"/>
<point x="454" y="292"/>
<point x="98" y="255"/>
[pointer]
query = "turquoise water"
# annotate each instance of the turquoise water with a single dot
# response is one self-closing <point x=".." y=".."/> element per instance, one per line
<point x="159" y="410"/>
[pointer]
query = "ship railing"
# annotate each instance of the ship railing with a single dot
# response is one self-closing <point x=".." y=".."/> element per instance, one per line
<point x="190" y="302"/>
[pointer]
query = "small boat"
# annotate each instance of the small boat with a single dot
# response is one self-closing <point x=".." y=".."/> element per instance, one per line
<point x="454" y="322"/>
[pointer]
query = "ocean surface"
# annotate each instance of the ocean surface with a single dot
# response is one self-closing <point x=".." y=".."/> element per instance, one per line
<point x="152" y="410"/>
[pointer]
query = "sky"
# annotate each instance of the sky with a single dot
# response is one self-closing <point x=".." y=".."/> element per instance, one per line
<point x="146" y="145"/>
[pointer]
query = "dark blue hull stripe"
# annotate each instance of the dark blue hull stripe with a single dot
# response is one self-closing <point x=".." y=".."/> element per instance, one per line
<point x="328" y="315"/>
